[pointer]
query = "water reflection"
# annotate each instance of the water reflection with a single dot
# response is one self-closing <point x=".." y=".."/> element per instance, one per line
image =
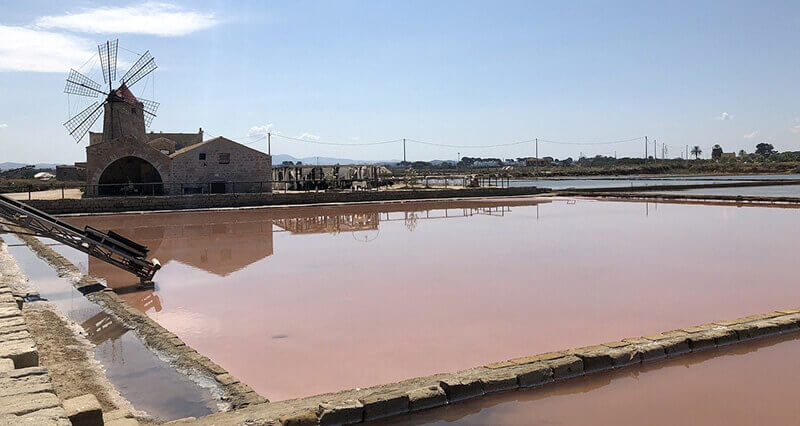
<point x="149" y="383"/>
<point x="397" y="290"/>
<point x="102" y="326"/>
<point x="224" y="242"/>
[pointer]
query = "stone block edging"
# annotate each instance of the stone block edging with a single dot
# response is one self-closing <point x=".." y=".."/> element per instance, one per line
<point x="27" y="395"/>
<point x="228" y="390"/>
<point x="359" y="405"/>
<point x="209" y="201"/>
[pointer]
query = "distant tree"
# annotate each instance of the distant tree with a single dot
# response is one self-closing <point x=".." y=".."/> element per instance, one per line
<point x="696" y="151"/>
<point x="765" y="149"/>
<point x="716" y="152"/>
<point x="287" y="163"/>
<point x="299" y="163"/>
<point x="742" y="153"/>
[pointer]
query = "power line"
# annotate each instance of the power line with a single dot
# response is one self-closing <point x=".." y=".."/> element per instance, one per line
<point x="471" y="146"/>
<point x="592" y="143"/>
<point x="318" y="142"/>
<point x="336" y="143"/>
<point x="255" y="140"/>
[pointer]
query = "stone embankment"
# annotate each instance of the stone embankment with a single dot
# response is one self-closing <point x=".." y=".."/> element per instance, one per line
<point x="759" y="201"/>
<point x="356" y="406"/>
<point x="229" y="390"/>
<point x="27" y="394"/>
<point x="205" y="201"/>
<point x="680" y="187"/>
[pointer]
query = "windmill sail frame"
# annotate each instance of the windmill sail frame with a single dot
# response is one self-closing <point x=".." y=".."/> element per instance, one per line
<point x="143" y="66"/>
<point x="108" y="61"/>
<point x="79" y="124"/>
<point x="79" y="84"/>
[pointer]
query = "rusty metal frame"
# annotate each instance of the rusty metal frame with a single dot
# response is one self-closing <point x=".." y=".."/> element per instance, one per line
<point x="97" y="244"/>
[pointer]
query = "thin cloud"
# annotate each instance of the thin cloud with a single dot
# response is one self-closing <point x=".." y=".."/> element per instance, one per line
<point x="160" y="19"/>
<point x="751" y="135"/>
<point x="3" y="125"/>
<point x="30" y="49"/>
<point x="725" y="116"/>
<point x="355" y="138"/>
<point x="795" y="128"/>
<point x="308" y="137"/>
<point x="260" y="130"/>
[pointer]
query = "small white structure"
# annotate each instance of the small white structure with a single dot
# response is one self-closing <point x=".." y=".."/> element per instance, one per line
<point x="44" y="176"/>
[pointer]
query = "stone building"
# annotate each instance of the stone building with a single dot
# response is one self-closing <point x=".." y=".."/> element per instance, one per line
<point x="126" y="160"/>
<point x="126" y="166"/>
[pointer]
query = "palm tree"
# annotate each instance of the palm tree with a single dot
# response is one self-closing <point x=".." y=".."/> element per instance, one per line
<point x="696" y="151"/>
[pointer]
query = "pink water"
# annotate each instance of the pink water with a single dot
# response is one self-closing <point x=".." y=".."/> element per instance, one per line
<point x="299" y="301"/>
<point x="747" y="384"/>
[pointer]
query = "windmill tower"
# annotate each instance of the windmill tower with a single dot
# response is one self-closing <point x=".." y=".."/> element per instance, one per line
<point x="124" y="115"/>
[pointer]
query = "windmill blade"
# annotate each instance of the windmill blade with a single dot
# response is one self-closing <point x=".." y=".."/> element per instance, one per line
<point x="143" y="66"/>
<point x="82" y="121"/>
<point x="150" y="108"/>
<point x="79" y="84"/>
<point x="108" y="60"/>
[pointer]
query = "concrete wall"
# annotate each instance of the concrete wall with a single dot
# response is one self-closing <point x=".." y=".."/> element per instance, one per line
<point x="244" y="165"/>
<point x="200" y="201"/>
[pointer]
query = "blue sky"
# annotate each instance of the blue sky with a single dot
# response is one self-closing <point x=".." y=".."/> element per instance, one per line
<point x="461" y="73"/>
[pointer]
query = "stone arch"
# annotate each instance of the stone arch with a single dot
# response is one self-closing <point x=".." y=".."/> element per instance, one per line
<point x="130" y="175"/>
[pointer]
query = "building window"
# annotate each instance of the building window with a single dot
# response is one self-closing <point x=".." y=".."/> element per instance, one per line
<point x="224" y="158"/>
<point x="202" y="156"/>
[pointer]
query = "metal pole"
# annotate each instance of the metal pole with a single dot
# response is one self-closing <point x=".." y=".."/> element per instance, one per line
<point x="537" y="157"/>
<point x="645" y="150"/>
<point x="404" y="150"/>
<point x="269" y="143"/>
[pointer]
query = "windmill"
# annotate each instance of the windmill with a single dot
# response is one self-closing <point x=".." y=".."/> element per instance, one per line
<point x="125" y="115"/>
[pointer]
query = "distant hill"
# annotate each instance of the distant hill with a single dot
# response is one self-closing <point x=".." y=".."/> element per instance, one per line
<point x="9" y="166"/>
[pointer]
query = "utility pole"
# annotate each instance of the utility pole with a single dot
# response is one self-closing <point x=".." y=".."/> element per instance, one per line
<point x="645" y="150"/>
<point x="536" y="161"/>
<point x="269" y="143"/>
<point x="404" y="150"/>
<point x="655" y="153"/>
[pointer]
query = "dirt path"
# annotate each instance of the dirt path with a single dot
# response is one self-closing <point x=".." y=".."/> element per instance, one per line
<point x="69" y="358"/>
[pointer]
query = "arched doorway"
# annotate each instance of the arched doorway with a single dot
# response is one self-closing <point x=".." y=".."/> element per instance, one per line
<point x="130" y="176"/>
